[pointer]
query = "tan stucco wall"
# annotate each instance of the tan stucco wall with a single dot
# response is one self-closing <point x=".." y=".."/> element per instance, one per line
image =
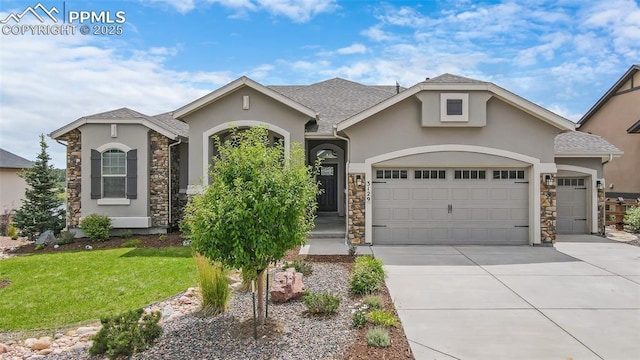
<point x="399" y="127"/>
<point x="228" y="109"/>
<point x="12" y="189"/>
<point x="134" y="136"/>
<point x="611" y="122"/>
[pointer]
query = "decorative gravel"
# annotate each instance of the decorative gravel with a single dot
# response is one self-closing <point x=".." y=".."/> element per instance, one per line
<point x="291" y="334"/>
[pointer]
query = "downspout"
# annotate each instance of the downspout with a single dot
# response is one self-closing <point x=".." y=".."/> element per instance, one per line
<point x="346" y="182"/>
<point x="604" y="206"/>
<point x="170" y="195"/>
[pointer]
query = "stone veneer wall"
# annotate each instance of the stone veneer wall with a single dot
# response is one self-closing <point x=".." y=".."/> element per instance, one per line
<point x="548" y="212"/>
<point x="158" y="179"/>
<point x="356" y="208"/>
<point x="74" y="177"/>
<point x="601" y="212"/>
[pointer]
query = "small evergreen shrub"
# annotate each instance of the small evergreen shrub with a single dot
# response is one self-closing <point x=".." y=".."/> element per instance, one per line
<point x="632" y="218"/>
<point x="321" y="304"/>
<point x="162" y="237"/>
<point x="66" y="237"/>
<point x="378" y="337"/>
<point x="39" y="247"/>
<point x="382" y="318"/>
<point x="126" y="334"/>
<point x="359" y="318"/>
<point x="373" y="302"/>
<point x="131" y="243"/>
<point x="301" y="266"/>
<point x="213" y="284"/>
<point x="367" y="275"/>
<point x="96" y="227"/>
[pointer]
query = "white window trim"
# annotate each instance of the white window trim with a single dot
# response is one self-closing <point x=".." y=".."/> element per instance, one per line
<point x="114" y="201"/>
<point x="454" y="118"/>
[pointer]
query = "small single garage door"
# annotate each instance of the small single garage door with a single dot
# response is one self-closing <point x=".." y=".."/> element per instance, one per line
<point x="571" y="201"/>
<point x="450" y="206"/>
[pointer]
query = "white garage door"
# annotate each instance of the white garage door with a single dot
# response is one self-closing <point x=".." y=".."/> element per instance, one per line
<point x="571" y="200"/>
<point x="450" y="206"/>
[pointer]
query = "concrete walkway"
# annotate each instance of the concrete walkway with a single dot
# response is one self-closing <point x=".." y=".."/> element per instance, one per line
<point x="579" y="300"/>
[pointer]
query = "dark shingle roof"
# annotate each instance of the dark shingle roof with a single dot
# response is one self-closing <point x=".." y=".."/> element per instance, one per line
<point x="580" y="143"/>
<point x="13" y="161"/>
<point x="165" y="120"/>
<point x="336" y="99"/>
<point x="610" y="93"/>
<point x="453" y="79"/>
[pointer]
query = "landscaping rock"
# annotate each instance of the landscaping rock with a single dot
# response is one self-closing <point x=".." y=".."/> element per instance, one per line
<point x="3" y="348"/>
<point x="29" y="342"/>
<point x="46" y="238"/>
<point x="45" y="352"/>
<point x="42" y="343"/>
<point x="286" y="285"/>
<point x="83" y="330"/>
<point x="167" y="311"/>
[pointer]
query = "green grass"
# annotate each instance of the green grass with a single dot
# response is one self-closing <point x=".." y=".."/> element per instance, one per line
<point x="54" y="290"/>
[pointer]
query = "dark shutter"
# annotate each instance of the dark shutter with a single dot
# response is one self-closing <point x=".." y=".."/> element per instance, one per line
<point x="96" y="174"/>
<point x="132" y="174"/>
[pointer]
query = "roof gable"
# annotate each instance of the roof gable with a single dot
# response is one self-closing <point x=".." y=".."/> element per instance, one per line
<point x="610" y="93"/>
<point x="12" y="161"/>
<point x="164" y="124"/>
<point x="448" y="82"/>
<point x="235" y="85"/>
<point x="580" y="144"/>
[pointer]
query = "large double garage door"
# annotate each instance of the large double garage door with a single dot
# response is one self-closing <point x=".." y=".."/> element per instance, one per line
<point x="450" y="206"/>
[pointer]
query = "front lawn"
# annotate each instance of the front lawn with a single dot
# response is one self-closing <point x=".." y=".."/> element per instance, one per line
<point x="58" y="289"/>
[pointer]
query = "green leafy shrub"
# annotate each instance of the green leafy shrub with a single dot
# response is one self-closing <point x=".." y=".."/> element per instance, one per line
<point x="39" y="247"/>
<point x="131" y="243"/>
<point x="12" y="232"/>
<point x="373" y="302"/>
<point x="301" y="266"/>
<point x="378" y="337"/>
<point x="632" y="218"/>
<point x="125" y="234"/>
<point x="96" y="227"/>
<point x="359" y="318"/>
<point x="367" y="275"/>
<point x="162" y="237"/>
<point x="66" y="237"/>
<point x="126" y="334"/>
<point x="212" y="277"/>
<point x="322" y="304"/>
<point x="382" y="318"/>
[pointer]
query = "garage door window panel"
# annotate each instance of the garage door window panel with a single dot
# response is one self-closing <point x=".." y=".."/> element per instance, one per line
<point x="468" y="174"/>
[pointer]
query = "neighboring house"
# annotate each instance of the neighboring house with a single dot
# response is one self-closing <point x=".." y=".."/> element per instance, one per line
<point x="12" y="186"/>
<point x="616" y="117"/>
<point x="450" y="160"/>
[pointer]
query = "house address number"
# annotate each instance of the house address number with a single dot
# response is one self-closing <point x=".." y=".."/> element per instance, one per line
<point x="368" y="190"/>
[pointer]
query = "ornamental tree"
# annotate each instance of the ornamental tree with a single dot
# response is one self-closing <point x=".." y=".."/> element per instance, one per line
<point x="41" y="209"/>
<point x="259" y="205"/>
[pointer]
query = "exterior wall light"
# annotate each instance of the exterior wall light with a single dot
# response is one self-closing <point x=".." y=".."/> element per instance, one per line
<point x="548" y="179"/>
<point x="358" y="180"/>
<point x="599" y="185"/>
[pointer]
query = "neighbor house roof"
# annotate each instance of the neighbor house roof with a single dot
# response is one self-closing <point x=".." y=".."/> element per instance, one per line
<point x="449" y="82"/>
<point x="12" y="161"/>
<point x="580" y="144"/>
<point x="164" y="123"/>
<point x="336" y="99"/>
<point x="611" y="92"/>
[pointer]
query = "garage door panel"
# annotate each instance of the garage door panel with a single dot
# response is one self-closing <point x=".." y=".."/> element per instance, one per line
<point x="450" y="211"/>
<point x="571" y="201"/>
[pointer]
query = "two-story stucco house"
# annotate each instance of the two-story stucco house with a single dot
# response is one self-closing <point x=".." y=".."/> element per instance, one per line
<point x="616" y="117"/>
<point x="450" y="160"/>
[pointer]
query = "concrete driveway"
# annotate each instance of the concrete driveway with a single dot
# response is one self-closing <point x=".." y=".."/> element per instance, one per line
<point x="579" y="300"/>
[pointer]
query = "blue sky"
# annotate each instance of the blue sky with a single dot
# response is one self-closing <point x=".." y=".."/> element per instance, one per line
<point x="562" y="55"/>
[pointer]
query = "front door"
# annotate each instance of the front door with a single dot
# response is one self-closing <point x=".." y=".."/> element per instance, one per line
<point x="328" y="177"/>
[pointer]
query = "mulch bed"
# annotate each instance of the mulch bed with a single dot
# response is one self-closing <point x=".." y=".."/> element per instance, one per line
<point x="148" y="241"/>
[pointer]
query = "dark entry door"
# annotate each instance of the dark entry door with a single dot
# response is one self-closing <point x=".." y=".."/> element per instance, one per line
<point x="328" y="177"/>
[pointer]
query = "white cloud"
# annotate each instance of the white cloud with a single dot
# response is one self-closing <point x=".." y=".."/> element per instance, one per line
<point x="355" y="48"/>
<point x="182" y="6"/>
<point x="375" y="33"/>
<point x="48" y="82"/>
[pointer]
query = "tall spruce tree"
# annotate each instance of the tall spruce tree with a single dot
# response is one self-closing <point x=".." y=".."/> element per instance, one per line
<point x="41" y="209"/>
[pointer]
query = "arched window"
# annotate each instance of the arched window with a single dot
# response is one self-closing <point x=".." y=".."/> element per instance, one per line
<point x="114" y="174"/>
